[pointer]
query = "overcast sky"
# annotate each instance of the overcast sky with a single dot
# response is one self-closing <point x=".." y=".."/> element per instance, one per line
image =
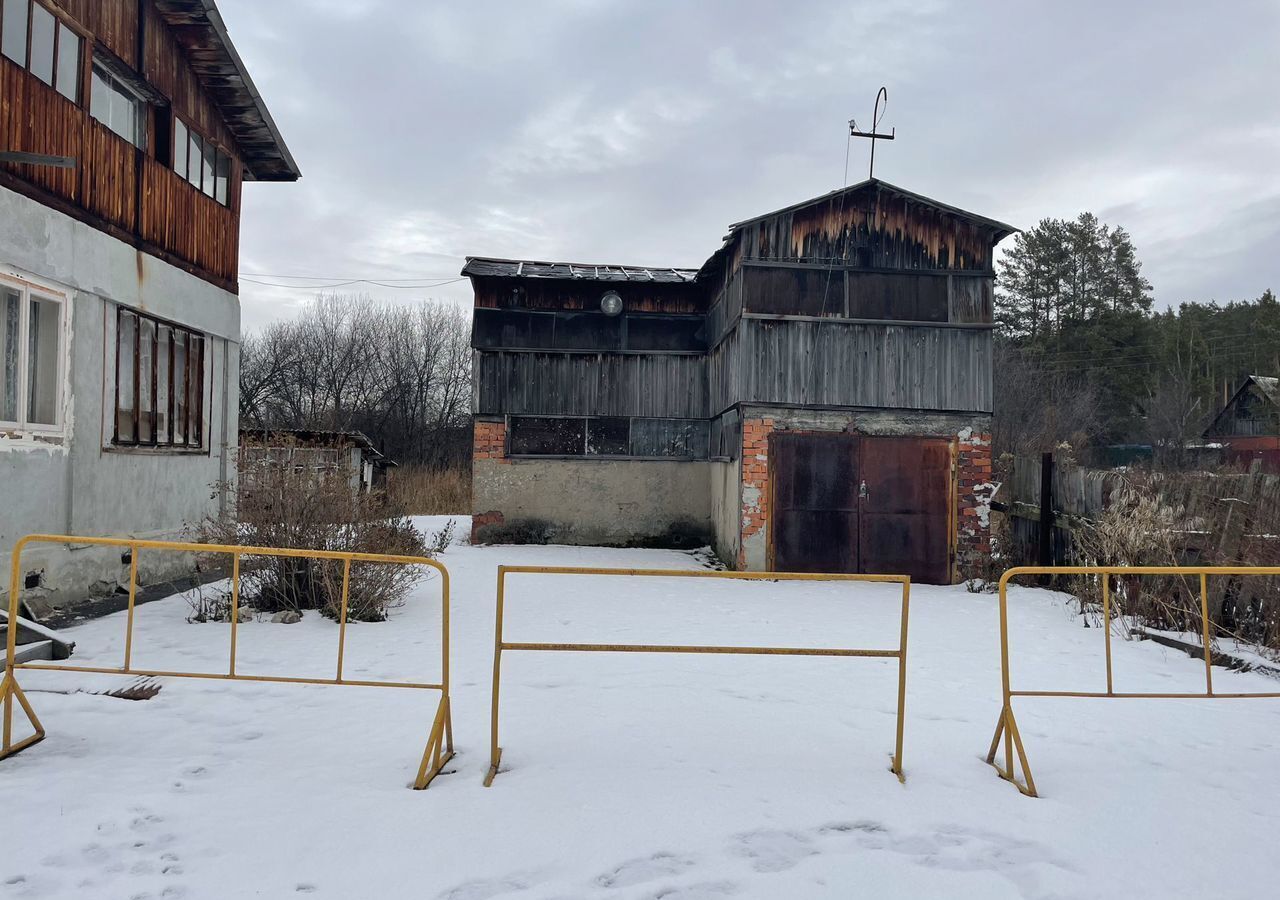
<point x="634" y="132"/>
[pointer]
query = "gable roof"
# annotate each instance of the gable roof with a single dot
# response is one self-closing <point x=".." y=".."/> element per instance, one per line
<point x="1002" y="229"/>
<point x="200" y="32"/>
<point x="1268" y="386"/>
<point x="528" y="268"/>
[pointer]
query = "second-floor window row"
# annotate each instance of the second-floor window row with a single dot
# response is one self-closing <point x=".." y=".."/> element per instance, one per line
<point x="198" y="160"/>
<point x="36" y="39"/>
<point x="41" y="42"/>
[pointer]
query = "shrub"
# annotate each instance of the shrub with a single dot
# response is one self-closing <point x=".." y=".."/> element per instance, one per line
<point x="306" y="509"/>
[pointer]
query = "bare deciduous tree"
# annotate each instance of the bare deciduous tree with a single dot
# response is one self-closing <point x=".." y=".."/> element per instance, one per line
<point x="401" y="374"/>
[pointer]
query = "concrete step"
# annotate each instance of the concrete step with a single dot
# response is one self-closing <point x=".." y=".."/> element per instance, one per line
<point x="30" y="632"/>
<point x="31" y="652"/>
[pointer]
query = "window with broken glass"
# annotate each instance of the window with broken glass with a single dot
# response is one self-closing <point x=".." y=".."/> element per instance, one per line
<point x="624" y="437"/>
<point x="159" y="384"/>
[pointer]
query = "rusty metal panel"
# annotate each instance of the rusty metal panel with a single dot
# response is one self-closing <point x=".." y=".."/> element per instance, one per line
<point x="904" y="513"/>
<point x="815" y="502"/>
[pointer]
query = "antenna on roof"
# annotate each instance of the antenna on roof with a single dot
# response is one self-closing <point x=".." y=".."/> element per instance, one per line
<point x="874" y="135"/>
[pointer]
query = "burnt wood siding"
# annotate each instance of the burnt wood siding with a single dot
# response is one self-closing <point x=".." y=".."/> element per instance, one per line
<point x="590" y="384"/>
<point x="836" y="364"/>
<point x="874" y="229"/>
<point x="115" y="186"/>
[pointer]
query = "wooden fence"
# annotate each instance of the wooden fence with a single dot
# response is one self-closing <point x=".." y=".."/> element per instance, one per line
<point x="1232" y="517"/>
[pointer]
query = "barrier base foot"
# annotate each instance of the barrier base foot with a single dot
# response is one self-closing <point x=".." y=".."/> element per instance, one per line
<point x="493" y="769"/>
<point x="435" y="770"/>
<point x="1007" y="728"/>
<point x="439" y="746"/>
<point x="10" y="691"/>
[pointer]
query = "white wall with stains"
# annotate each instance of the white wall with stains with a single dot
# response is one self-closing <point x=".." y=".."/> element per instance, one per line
<point x="78" y="483"/>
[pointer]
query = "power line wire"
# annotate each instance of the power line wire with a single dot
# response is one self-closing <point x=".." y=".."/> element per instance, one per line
<point x="348" y="277"/>
<point x="338" y="284"/>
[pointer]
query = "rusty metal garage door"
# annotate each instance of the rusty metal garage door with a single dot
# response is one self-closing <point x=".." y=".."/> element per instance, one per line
<point x="904" y="510"/>
<point x="815" y="502"/>
<point x="844" y="503"/>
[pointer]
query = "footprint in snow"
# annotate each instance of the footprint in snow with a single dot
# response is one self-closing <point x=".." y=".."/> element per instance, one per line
<point x="707" y="890"/>
<point x="773" y="851"/>
<point x="484" y="889"/>
<point x="638" y="871"/>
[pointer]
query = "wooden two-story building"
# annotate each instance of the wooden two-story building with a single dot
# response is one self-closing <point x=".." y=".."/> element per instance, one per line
<point x="816" y="397"/>
<point x="127" y="129"/>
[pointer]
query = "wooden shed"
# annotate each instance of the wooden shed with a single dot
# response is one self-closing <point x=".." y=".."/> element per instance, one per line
<point x="1249" y="424"/>
<point x="816" y="397"/>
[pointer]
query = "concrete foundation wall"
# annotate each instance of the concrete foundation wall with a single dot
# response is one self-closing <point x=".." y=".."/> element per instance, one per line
<point x="601" y="502"/>
<point x="726" y="506"/>
<point x="79" y="483"/>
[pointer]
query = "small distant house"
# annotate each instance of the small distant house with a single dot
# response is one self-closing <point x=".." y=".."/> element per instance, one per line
<point x="1249" y="425"/>
<point x="323" y="453"/>
<point x="816" y="397"/>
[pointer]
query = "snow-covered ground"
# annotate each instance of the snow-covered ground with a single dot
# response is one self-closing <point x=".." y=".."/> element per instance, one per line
<point x="641" y="776"/>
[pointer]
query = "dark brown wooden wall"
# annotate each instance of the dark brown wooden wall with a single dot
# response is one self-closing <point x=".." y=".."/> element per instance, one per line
<point x="115" y="186"/>
<point x="553" y="294"/>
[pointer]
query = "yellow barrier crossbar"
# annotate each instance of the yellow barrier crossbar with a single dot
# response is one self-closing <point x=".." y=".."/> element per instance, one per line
<point x="439" y="749"/>
<point x="1007" y="726"/>
<point x="499" y="644"/>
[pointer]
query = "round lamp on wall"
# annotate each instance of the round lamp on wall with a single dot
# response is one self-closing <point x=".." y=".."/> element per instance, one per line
<point x="611" y="303"/>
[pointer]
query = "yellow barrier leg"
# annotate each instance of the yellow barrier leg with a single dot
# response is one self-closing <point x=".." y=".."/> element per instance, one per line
<point x="10" y="691"/>
<point x="435" y="756"/>
<point x="495" y="752"/>
<point x="1007" y="727"/>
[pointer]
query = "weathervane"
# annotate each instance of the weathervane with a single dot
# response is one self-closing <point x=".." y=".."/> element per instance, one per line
<point x="873" y="134"/>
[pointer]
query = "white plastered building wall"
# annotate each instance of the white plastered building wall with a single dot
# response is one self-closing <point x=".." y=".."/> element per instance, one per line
<point x="73" y="478"/>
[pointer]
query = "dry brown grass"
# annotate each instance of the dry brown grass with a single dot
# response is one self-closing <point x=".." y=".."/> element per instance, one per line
<point x="423" y="491"/>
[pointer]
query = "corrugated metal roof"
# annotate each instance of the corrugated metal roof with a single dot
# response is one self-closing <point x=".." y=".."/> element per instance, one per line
<point x="528" y="268"/>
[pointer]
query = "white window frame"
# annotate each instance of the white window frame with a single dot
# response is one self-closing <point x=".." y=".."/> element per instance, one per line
<point x="27" y="287"/>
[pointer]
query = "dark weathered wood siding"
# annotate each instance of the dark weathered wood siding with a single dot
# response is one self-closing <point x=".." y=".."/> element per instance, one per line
<point x="554" y="294"/>
<point x="590" y="384"/>
<point x="873" y="298"/>
<point x="841" y="364"/>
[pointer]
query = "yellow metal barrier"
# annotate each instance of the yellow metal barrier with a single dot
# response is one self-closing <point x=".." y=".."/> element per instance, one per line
<point x="900" y="654"/>
<point x="1007" y="726"/>
<point x="439" y="747"/>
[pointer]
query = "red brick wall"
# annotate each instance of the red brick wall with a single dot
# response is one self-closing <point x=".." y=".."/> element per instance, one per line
<point x="755" y="481"/>
<point x="490" y="441"/>
<point x="973" y="531"/>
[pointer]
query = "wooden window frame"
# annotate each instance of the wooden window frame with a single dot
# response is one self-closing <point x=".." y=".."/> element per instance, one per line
<point x="61" y="20"/>
<point x="27" y="291"/>
<point x="195" y="344"/>
<point x="143" y="105"/>
<point x="205" y="144"/>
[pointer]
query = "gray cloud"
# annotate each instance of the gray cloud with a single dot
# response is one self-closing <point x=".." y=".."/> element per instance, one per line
<point x="635" y="132"/>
